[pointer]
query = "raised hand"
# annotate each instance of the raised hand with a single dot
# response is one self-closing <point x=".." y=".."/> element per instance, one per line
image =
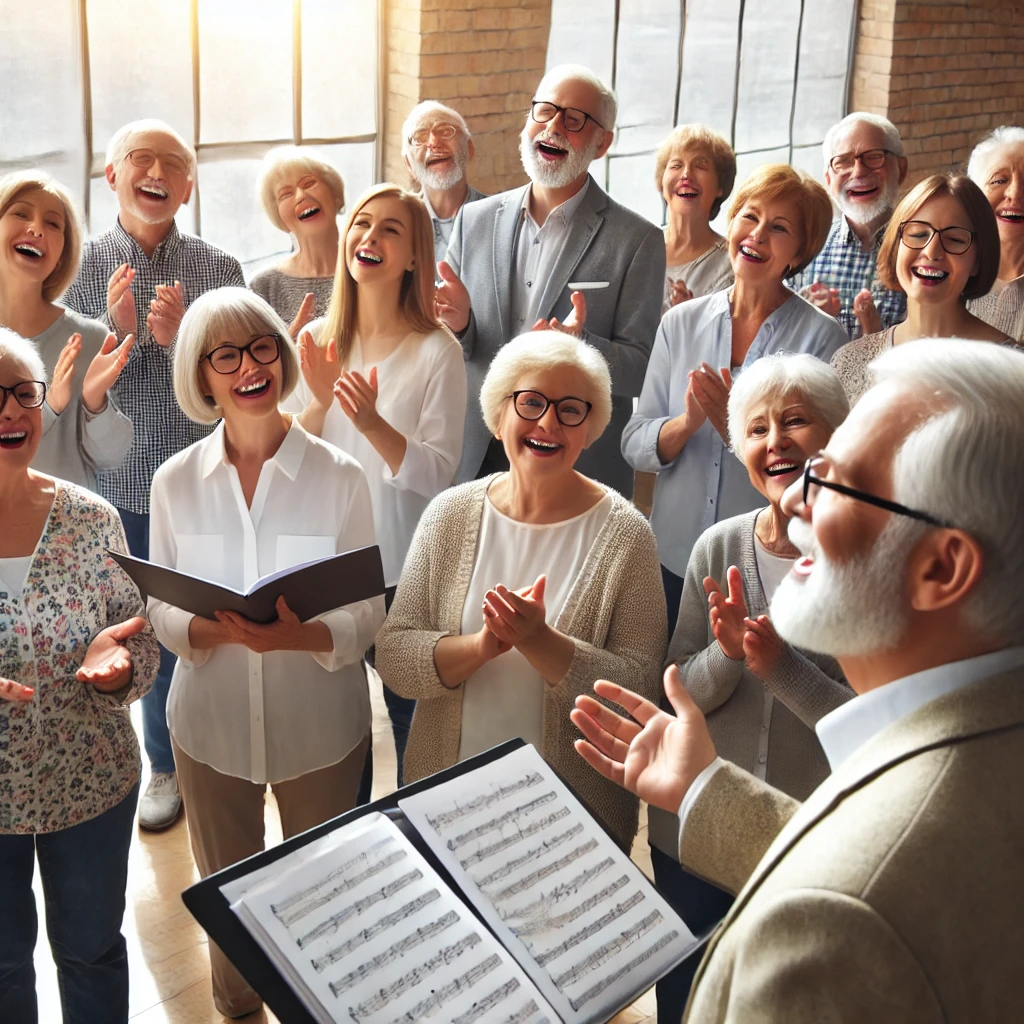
<point x="319" y="367"/>
<point x="16" y="693"/>
<point x="678" y="292"/>
<point x="285" y="633"/>
<point x="516" y="618"/>
<point x="866" y="312"/>
<point x="107" y="664"/>
<point x="305" y="313"/>
<point x="165" y="313"/>
<point x="762" y="646"/>
<point x="120" y="301"/>
<point x="357" y="397"/>
<point x="728" y="614"/>
<point x="711" y="390"/>
<point x="58" y="392"/>
<point x="654" y="755"/>
<point x="825" y="298"/>
<point x="105" y="368"/>
<point x="451" y="300"/>
<point x="573" y="323"/>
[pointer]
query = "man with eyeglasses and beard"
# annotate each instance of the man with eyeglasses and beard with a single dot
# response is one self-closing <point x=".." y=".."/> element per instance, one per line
<point x="864" y="168"/>
<point x="556" y="253"/>
<point x="437" y="148"/>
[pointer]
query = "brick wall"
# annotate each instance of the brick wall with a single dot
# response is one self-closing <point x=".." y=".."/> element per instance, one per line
<point x="482" y="57"/>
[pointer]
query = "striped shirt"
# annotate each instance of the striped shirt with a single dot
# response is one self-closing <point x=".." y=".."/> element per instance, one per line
<point x="145" y="391"/>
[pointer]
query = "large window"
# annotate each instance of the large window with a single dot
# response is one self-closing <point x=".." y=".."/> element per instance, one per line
<point x="770" y="75"/>
<point x="235" y="77"/>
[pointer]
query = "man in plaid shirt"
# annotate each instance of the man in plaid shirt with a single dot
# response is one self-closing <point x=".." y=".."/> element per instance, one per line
<point x="139" y="277"/>
<point x="864" y="168"/>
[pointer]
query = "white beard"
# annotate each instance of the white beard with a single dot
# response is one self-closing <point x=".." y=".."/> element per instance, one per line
<point x="573" y="166"/>
<point x="442" y="181"/>
<point x="867" y="214"/>
<point x="847" y="610"/>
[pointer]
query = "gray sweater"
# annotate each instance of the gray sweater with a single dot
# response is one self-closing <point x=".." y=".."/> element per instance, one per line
<point x="285" y="293"/>
<point x="744" y="718"/>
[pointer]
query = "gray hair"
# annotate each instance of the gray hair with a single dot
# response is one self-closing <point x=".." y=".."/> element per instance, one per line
<point x="547" y="350"/>
<point x="958" y="465"/>
<point x="781" y="374"/>
<point x="607" y="104"/>
<point x="123" y="139"/>
<point x="283" y="159"/>
<point x="23" y="353"/>
<point x="893" y="141"/>
<point x="206" y="323"/>
<point x="981" y="155"/>
<point x="420" y="111"/>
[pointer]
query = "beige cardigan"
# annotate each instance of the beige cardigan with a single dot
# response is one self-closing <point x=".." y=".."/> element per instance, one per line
<point x="615" y="613"/>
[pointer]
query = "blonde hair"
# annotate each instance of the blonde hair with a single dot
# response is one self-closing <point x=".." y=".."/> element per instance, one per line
<point x="417" y="295"/>
<point x="120" y="144"/>
<point x="284" y="159"/>
<point x="12" y="187"/>
<point x="206" y="323"/>
<point x="702" y="138"/>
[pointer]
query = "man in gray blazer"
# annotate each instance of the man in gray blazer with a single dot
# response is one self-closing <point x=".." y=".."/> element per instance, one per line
<point x="557" y="253"/>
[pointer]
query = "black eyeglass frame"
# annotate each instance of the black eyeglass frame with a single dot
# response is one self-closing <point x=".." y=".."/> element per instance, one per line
<point x="860" y="156"/>
<point x="563" y="111"/>
<point x="936" y="231"/>
<point x="871" y="499"/>
<point x="10" y="393"/>
<point x="241" y="350"/>
<point x="548" y="402"/>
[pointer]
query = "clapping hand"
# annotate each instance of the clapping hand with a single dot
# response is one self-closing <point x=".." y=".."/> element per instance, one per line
<point x="653" y="754"/>
<point x="285" y="633"/>
<point x="728" y="614"/>
<point x="107" y="664"/>
<point x="58" y="392"/>
<point x="866" y="312"/>
<point x="305" y="313"/>
<point x="165" y="314"/>
<point x="825" y="298"/>
<point x="678" y="292"/>
<point x="120" y="301"/>
<point x="357" y="397"/>
<point x="15" y="692"/>
<point x="105" y="368"/>
<point x="451" y="300"/>
<point x="516" y="618"/>
<point x="573" y="323"/>
<point x="711" y="391"/>
<point x="762" y="646"/>
<point x="319" y="367"/>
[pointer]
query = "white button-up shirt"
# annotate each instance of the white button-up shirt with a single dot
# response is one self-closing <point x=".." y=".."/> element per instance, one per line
<point x="275" y="716"/>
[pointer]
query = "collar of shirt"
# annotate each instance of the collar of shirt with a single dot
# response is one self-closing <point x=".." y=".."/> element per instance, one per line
<point x="287" y="458"/>
<point x="844" y="731"/>
<point x="849" y="238"/>
<point x="564" y="212"/>
<point x="433" y="216"/>
<point x="166" y="248"/>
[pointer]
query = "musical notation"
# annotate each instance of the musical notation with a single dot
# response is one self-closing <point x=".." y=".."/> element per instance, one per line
<point x="603" y="953"/>
<point x="530" y="857"/>
<point x="448" y="992"/>
<point x="529" y="881"/>
<point x="594" y="928"/>
<point x="514" y="814"/>
<point x="625" y="970"/>
<point x="482" y="803"/>
<point x="546" y="923"/>
<point x="541" y="825"/>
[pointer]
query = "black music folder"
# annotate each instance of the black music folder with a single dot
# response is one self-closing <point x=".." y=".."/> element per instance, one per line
<point x="310" y="588"/>
<point x="485" y="893"/>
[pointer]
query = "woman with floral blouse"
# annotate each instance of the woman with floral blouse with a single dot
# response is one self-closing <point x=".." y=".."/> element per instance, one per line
<point x="74" y="651"/>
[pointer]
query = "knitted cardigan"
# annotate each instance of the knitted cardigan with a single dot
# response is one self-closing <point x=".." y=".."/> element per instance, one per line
<point x="614" y="613"/>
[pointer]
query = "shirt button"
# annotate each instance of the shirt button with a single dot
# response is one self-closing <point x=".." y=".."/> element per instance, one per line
<point x="762" y="758"/>
<point x="764" y="728"/>
<point x="529" y="284"/>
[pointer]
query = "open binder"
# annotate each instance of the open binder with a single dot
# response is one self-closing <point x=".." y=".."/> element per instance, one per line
<point x="485" y="893"/>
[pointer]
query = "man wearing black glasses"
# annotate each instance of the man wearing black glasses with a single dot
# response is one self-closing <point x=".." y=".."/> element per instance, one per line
<point x="557" y="253"/>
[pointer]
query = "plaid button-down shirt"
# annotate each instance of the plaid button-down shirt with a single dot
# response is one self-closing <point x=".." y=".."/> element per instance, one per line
<point x="145" y="389"/>
<point x="844" y="264"/>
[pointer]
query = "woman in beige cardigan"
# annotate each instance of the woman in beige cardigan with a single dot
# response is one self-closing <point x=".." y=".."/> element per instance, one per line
<point x="521" y="589"/>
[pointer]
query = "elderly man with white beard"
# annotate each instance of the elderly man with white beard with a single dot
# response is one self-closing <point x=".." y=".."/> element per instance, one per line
<point x="864" y="168"/>
<point x="556" y="253"/>
<point x="437" y="148"/>
<point x="893" y="893"/>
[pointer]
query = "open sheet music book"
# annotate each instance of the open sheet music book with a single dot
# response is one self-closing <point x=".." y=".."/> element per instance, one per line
<point x="364" y="929"/>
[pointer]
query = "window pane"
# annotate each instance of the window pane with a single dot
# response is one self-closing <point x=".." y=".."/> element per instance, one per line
<point x="338" y="96"/>
<point x="245" y="70"/>
<point x="583" y="32"/>
<point x="709" y="64"/>
<point x="810" y="159"/>
<point x="355" y="162"/>
<point x="631" y="182"/>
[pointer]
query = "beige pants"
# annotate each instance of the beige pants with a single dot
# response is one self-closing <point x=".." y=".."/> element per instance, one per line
<point x="225" y="825"/>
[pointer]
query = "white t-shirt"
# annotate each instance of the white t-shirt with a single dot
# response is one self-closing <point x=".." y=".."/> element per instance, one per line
<point x="772" y="569"/>
<point x="505" y="698"/>
<point x="13" y="572"/>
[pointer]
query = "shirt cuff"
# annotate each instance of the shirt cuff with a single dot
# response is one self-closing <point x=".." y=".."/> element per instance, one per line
<point x="695" y="790"/>
<point x="345" y="636"/>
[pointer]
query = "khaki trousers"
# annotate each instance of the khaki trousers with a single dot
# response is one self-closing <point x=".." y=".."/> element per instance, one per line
<point x="225" y="825"/>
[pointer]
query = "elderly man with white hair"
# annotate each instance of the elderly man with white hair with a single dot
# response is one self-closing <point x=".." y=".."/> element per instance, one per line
<point x="560" y="253"/>
<point x="864" y="168"/>
<point x="437" y="148"/>
<point x="997" y="166"/>
<point x="139" y="278"/>
<point x="893" y="892"/>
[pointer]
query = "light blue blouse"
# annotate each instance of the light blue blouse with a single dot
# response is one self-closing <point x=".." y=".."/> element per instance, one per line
<point x="706" y="482"/>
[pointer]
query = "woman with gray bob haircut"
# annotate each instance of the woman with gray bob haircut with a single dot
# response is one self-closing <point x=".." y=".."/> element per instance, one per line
<point x="782" y="411"/>
<point x="522" y="588"/>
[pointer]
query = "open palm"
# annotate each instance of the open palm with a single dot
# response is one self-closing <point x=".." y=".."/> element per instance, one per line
<point x="107" y="664"/>
<point x="105" y="368"/>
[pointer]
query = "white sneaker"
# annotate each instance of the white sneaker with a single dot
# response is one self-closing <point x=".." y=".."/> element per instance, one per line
<point x="161" y="803"/>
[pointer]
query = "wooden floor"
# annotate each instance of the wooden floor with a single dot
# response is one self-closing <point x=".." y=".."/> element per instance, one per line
<point x="170" y="972"/>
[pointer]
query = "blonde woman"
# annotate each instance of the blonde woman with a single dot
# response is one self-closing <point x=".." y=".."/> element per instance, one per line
<point x="386" y="382"/>
<point x="40" y="250"/>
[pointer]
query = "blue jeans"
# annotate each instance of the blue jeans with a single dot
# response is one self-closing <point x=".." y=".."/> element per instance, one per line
<point x="85" y="871"/>
<point x="155" y="734"/>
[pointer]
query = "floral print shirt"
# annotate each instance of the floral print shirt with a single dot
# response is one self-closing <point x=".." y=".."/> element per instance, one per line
<point x="70" y="753"/>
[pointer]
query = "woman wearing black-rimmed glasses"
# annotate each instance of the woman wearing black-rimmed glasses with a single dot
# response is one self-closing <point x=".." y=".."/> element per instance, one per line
<point x="521" y="588"/>
<point x="941" y="248"/>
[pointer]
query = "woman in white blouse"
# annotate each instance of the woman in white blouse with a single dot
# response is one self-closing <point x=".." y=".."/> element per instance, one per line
<point x="284" y="704"/>
<point x="386" y="382"/>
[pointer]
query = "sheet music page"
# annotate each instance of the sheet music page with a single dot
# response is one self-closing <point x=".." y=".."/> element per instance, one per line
<point x="572" y="908"/>
<point x="366" y="932"/>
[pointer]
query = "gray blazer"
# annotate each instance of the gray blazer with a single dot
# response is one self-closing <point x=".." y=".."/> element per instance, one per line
<point x="607" y="242"/>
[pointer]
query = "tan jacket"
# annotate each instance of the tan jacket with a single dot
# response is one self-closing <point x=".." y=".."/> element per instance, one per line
<point x="895" y="893"/>
<point x="615" y="614"/>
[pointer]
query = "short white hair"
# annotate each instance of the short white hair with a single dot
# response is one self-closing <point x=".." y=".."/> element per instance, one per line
<point x="205" y="325"/>
<point x="539" y="351"/>
<point x="607" y="104"/>
<point x="891" y="133"/>
<point x="284" y="160"/>
<point x="123" y="140"/>
<point x="981" y="155"/>
<point x="23" y="353"/>
<point x="781" y="374"/>
<point x="425" y="109"/>
<point x="962" y="464"/>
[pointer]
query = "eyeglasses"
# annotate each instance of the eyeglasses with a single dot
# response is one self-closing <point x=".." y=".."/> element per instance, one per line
<point x="820" y="463"/>
<point x="573" y="119"/>
<point x="872" y="159"/>
<point x="917" y="234"/>
<point x="227" y="358"/>
<point x="145" y="158"/>
<point x="531" y="405"/>
<point x="421" y="136"/>
<point x="29" y="394"/>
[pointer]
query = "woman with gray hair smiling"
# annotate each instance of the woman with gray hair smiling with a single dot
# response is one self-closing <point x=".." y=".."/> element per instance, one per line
<point x="522" y="588"/>
<point x="782" y="411"/>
